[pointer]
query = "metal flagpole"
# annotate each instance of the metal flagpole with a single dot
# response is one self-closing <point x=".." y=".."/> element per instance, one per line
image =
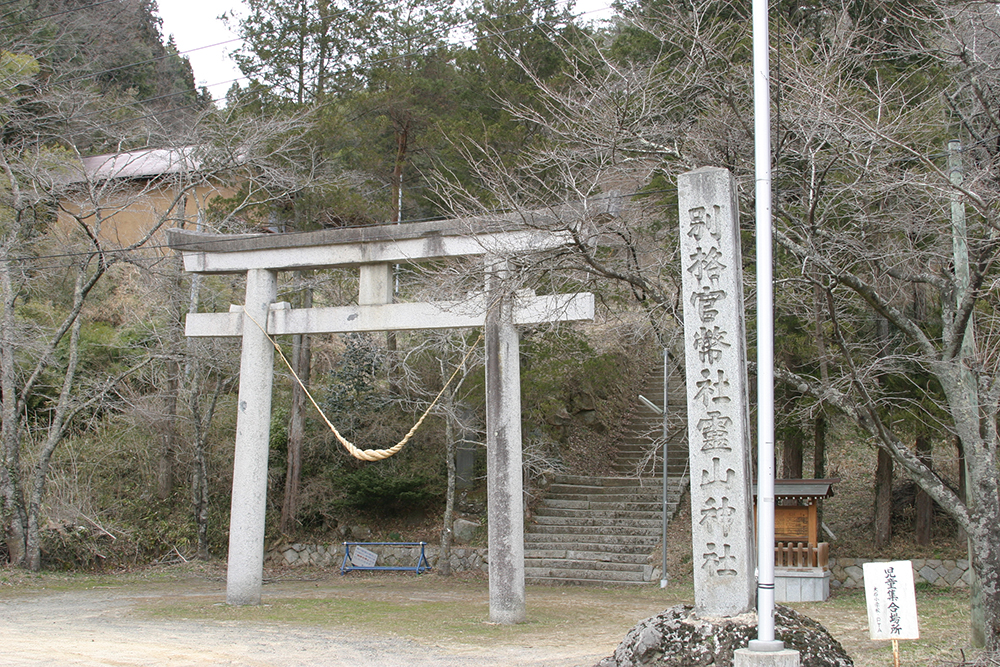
<point x="765" y="336"/>
<point x="666" y="453"/>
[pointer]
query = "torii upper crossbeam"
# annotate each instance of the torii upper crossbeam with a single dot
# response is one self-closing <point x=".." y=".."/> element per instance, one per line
<point x="373" y="250"/>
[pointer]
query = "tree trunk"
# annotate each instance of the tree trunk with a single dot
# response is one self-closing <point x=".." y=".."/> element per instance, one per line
<point x="199" y="496"/>
<point x="819" y="462"/>
<point x="202" y="421"/>
<point x="323" y="7"/>
<point x="56" y="430"/>
<point x="791" y="455"/>
<point x="444" y="560"/>
<point x="16" y="521"/>
<point x="883" y="500"/>
<point x="984" y="549"/>
<point x="168" y="444"/>
<point x="924" y="522"/>
<point x="960" y="533"/>
<point x="301" y="362"/>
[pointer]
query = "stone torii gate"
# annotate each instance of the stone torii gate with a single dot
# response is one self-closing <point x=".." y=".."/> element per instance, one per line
<point x="374" y="250"/>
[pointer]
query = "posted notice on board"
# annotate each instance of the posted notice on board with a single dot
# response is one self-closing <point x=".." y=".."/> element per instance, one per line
<point x="892" y="603"/>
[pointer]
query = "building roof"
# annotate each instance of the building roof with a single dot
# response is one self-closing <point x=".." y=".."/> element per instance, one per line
<point x="145" y="163"/>
<point x="802" y="489"/>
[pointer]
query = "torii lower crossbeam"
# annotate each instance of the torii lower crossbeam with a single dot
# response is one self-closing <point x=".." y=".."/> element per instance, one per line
<point x="261" y="258"/>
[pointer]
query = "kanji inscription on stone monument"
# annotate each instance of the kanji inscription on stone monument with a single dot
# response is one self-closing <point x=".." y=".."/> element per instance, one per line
<point x="718" y="410"/>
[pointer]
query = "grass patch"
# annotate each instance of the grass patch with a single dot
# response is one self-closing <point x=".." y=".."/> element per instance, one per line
<point x="430" y="609"/>
<point x="943" y="619"/>
<point x="454" y="611"/>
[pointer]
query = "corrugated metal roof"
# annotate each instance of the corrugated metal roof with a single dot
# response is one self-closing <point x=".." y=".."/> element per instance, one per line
<point x="142" y="164"/>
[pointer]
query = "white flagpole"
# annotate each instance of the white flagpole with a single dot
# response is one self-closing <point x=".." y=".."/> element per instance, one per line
<point x="765" y="336"/>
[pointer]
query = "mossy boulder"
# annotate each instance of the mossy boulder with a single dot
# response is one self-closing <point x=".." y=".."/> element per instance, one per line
<point x="677" y="637"/>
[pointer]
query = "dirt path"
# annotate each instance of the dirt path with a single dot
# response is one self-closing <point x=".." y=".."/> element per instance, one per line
<point x="135" y="623"/>
<point x="178" y="617"/>
<point x="100" y="628"/>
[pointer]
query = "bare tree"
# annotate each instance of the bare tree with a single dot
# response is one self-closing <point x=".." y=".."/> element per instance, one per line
<point x="868" y="96"/>
<point x="457" y="355"/>
<point x="74" y="211"/>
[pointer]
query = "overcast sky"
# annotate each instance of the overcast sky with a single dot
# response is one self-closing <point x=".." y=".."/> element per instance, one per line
<point x="196" y="27"/>
<point x="195" y="24"/>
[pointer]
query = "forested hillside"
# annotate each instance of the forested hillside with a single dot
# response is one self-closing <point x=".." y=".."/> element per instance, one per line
<point x="885" y="154"/>
<point x="115" y="48"/>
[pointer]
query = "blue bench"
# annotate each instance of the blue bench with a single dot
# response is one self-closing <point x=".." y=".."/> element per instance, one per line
<point x="364" y="559"/>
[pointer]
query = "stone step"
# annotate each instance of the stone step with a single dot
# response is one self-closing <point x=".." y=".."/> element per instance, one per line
<point x="626" y="540"/>
<point x="627" y="466"/>
<point x="633" y="485"/>
<point x="596" y="522"/>
<point x="554" y="564"/>
<point x="628" y="532"/>
<point x="604" y="505"/>
<point x="646" y="511"/>
<point x="560" y="537"/>
<point x="638" y="468"/>
<point x="652" y="496"/>
<point x="597" y="482"/>
<point x="620" y="552"/>
<point x="638" y="556"/>
<point x="675" y="449"/>
<point x="600" y="531"/>
<point x="642" y="454"/>
<point x="571" y="581"/>
<point x="606" y="577"/>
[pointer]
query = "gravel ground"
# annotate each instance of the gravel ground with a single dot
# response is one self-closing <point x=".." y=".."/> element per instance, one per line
<point x="178" y="617"/>
<point x="98" y="628"/>
<point x="108" y="623"/>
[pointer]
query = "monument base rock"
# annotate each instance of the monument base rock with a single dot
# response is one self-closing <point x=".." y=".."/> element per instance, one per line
<point x="677" y="637"/>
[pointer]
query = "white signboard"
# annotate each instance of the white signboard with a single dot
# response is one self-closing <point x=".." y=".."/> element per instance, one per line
<point x="892" y="605"/>
<point x="361" y="557"/>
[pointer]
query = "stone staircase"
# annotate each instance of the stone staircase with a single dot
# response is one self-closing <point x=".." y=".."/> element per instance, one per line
<point x="602" y="530"/>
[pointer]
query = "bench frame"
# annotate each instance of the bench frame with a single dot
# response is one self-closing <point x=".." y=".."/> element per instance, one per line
<point x="422" y="565"/>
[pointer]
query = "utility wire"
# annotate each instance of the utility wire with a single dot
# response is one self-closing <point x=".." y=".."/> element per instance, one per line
<point x="48" y="16"/>
<point x="166" y="56"/>
<point x="221" y="242"/>
<point x="368" y="64"/>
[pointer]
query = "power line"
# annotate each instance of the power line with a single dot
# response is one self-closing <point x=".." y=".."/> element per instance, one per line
<point x="457" y="27"/>
<point x="48" y="16"/>
<point x="222" y="242"/>
<point x="369" y="64"/>
<point x="90" y="75"/>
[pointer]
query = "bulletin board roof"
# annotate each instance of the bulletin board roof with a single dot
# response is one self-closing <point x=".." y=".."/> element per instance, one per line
<point x="802" y="489"/>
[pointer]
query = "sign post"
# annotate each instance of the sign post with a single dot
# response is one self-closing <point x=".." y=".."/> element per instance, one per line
<point x="892" y="603"/>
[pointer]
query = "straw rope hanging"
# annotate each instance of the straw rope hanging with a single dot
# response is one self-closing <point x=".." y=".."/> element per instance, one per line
<point x="352" y="449"/>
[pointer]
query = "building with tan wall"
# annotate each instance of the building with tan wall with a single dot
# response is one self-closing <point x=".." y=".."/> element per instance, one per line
<point x="124" y="200"/>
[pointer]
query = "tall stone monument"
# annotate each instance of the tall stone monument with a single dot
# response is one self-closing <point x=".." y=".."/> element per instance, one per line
<point x="717" y="397"/>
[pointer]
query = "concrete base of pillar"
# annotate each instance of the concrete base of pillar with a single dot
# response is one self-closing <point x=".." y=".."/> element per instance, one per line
<point x="801" y="585"/>
<point x="745" y="657"/>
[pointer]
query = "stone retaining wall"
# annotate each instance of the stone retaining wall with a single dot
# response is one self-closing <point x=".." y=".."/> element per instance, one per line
<point x="847" y="572"/>
<point x="332" y="555"/>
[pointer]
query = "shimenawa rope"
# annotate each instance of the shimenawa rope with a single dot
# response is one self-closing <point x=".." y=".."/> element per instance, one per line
<point x="356" y="452"/>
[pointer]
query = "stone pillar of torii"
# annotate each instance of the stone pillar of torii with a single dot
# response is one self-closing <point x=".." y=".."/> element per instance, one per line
<point x="374" y="250"/>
